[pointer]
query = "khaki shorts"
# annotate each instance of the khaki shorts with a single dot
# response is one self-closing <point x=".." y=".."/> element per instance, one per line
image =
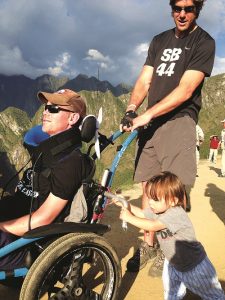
<point x="170" y="147"/>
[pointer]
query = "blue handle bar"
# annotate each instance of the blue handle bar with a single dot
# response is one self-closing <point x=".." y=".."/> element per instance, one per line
<point x="117" y="158"/>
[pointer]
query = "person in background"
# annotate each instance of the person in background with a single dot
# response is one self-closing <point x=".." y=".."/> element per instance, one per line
<point x="186" y="263"/>
<point x="172" y="77"/>
<point x="222" y="146"/>
<point x="199" y="141"/>
<point x="213" y="148"/>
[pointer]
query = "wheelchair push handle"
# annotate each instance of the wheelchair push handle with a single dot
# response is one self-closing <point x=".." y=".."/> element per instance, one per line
<point x="122" y="201"/>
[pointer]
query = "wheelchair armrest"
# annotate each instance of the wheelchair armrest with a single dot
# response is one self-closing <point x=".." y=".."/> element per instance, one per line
<point x="64" y="228"/>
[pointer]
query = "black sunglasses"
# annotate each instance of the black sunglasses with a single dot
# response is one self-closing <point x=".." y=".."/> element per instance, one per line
<point x="54" y="109"/>
<point x="186" y="9"/>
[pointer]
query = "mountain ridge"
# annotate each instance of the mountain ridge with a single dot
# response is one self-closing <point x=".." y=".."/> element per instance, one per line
<point x="21" y="92"/>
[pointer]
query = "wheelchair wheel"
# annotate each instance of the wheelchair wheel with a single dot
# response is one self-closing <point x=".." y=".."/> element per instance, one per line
<point x="80" y="266"/>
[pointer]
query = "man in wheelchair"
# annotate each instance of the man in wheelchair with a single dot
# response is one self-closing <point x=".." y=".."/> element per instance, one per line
<point x="45" y="192"/>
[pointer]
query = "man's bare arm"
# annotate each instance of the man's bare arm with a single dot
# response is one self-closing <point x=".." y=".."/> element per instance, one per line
<point x="141" y="88"/>
<point x="188" y="84"/>
<point x="46" y="214"/>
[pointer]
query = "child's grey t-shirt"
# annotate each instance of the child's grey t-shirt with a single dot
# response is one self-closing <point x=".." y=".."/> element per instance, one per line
<point x="177" y="240"/>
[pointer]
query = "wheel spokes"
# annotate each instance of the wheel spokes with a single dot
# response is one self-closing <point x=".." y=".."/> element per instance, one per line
<point x="79" y="281"/>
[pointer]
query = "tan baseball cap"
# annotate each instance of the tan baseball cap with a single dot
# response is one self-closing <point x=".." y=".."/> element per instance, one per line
<point x="72" y="100"/>
<point x="223" y="121"/>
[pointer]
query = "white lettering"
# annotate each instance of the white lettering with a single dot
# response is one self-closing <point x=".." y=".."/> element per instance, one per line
<point x="166" y="55"/>
<point x="175" y="54"/>
<point x="164" y="70"/>
<point x="161" y="69"/>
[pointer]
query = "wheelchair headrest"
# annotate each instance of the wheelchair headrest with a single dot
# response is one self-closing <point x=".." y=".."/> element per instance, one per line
<point x="88" y="127"/>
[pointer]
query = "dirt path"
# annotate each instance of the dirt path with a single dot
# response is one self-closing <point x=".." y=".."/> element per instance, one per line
<point x="207" y="215"/>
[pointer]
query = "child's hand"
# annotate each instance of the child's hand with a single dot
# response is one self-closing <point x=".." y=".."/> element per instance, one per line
<point x="125" y="214"/>
<point x="116" y="202"/>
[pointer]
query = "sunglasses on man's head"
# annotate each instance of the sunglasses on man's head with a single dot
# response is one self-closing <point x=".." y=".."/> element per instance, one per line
<point x="186" y="9"/>
<point x="54" y="109"/>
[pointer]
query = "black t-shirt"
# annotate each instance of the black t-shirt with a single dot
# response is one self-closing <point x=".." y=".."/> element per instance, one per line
<point x="171" y="57"/>
<point x="59" y="167"/>
<point x="62" y="179"/>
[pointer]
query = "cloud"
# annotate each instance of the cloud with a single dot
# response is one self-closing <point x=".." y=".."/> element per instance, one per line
<point x="96" y="56"/>
<point x="102" y="61"/>
<point x="12" y="62"/>
<point x="212" y="17"/>
<point x="133" y="62"/>
<point x="61" y="65"/>
<point x="81" y="28"/>
<point x="67" y="37"/>
<point x="142" y="49"/>
<point x="219" y="65"/>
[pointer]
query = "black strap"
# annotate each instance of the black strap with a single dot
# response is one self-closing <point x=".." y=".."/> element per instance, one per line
<point x="61" y="141"/>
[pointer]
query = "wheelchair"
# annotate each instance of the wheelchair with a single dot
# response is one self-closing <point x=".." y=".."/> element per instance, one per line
<point x="73" y="260"/>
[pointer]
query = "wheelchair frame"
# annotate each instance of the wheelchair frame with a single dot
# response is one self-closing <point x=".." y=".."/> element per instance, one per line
<point x="42" y="232"/>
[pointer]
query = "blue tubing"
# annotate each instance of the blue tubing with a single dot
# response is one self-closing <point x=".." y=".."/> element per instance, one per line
<point x="117" y="158"/>
<point x="20" y="272"/>
<point x="16" y="245"/>
<point x="116" y="135"/>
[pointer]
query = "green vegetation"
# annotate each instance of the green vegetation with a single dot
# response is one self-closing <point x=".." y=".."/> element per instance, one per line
<point x="13" y="124"/>
<point x="213" y="110"/>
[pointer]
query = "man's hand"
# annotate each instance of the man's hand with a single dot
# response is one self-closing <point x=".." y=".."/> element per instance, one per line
<point x="140" y="121"/>
<point x="127" y="120"/>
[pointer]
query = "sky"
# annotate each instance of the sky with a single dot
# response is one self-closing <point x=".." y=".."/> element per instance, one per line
<point x="107" y="39"/>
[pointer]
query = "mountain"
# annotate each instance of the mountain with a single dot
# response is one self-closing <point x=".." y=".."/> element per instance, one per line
<point x="21" y="91"/>
<point x="13" y="124"/>
<point x="85" y="83"/>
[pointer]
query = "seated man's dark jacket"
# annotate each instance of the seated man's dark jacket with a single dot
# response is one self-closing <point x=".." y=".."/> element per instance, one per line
<point x="58" y="167"/>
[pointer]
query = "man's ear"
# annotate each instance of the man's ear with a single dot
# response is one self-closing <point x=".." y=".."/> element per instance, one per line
<point x="74" y="118"/>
